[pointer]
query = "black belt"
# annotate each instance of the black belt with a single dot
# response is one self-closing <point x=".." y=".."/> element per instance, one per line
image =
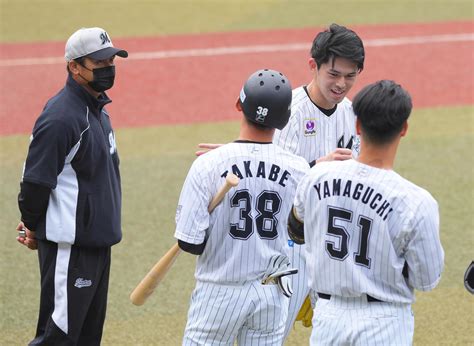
<point x="369" y="298"/>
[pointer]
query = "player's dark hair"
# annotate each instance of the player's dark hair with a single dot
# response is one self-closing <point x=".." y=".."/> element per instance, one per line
<point x="338" y="41"/>
<point x="382" y="108"/>
<point x="80" y="61"/>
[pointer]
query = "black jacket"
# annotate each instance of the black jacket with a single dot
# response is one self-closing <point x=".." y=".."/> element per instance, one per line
<point x="73" y="155"/>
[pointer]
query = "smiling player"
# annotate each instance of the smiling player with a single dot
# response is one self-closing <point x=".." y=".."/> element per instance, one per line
<point x="322" y="122"/>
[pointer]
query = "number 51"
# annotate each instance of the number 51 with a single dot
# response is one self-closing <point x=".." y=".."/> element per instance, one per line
<point x="340" y="253"/>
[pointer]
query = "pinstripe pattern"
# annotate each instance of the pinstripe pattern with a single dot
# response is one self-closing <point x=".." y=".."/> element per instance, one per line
<point x="226" y="259"/>
<point x="251" y="313"/>
<point x="410" y="233"/>
<point x="312" y="134"/>
<point x="312" y="142"/>
<point x="403" y="227"/>
<point x="354" y="321"/>
<point x="299" y="283"/>
<point x="229" y="303"/>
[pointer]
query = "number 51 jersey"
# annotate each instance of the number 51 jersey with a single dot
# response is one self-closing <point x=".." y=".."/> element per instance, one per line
<point x="249" y="226"/>
<point x="368" y="231"/>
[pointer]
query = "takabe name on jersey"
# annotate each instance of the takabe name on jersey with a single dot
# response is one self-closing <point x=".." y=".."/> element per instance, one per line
<point x="358" y="192"/>
<point x="262" y="170"/>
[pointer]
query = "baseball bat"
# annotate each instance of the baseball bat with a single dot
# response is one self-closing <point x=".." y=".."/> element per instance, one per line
<point x="148" y="284"/>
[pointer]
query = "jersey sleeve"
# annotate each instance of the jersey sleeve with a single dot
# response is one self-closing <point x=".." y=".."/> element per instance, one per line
<point x="300" y="196"/>
<point x="33" y="203"/>
<point x="49" y="146"/>
<point x="288" y="138"/>
<point x="424" y="253"/>
<point x="192" y="217"/>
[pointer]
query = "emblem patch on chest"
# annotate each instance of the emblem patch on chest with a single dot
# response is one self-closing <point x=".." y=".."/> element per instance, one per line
<point x="309" y="127"/>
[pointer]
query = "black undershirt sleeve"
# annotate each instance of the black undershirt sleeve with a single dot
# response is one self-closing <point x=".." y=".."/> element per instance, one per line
<point x="295" y="228"/>
<point x="405" y="270"/>
<point x="33" y="202"/>
<point x="195" y="249"/>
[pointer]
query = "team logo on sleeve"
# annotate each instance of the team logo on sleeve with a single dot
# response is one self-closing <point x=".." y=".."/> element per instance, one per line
<point x="309" y="127"/>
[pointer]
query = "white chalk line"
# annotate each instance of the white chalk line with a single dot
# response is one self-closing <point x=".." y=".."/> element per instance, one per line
<point x="266" y="48"/>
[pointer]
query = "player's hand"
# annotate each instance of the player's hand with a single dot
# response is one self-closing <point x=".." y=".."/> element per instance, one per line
<point x="28" y="239"/>
<point x="208" y="147"/>
<point x="340" y="154"/>
<point x="277" y="273"/>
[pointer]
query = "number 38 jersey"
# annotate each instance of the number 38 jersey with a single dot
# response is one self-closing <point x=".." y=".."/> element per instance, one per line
<point x="249" y="226"/>
<point x="368" y="231"/>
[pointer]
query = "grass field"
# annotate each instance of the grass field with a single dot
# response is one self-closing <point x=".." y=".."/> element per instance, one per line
<point x="437" y="154"/>
<point x="40" y="20"/>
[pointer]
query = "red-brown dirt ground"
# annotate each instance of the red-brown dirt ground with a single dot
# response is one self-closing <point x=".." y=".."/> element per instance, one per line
<point x="191" y="86"/>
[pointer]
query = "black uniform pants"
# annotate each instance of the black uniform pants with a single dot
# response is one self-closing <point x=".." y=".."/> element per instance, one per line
<point x="74" y="285"/>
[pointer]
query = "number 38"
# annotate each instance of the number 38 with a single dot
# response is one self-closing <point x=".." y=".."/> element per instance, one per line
<point x="267" y="206"/>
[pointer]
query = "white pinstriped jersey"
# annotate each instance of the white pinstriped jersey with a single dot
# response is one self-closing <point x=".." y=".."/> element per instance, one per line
<point x="312" y="134"/>
<point x="246" y="229"/>
<point x="361" y="225"/>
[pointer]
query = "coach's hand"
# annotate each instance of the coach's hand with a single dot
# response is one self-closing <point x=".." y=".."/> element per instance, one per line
<point x="208" y="147"/>
<point x="26" y="237"/>
<point x="340" y="154"/>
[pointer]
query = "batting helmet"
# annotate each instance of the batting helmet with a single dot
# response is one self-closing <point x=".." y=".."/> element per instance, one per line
<point x="266" y="99"/>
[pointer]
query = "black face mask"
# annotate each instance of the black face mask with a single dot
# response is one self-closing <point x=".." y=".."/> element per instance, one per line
<point x="103" y="78"/>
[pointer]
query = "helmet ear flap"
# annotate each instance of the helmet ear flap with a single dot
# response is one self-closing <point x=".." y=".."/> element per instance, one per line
<point x="266" y="99"/>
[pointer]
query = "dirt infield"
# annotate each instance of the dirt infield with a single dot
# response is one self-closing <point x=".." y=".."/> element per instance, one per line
<point x="185" y="79"/>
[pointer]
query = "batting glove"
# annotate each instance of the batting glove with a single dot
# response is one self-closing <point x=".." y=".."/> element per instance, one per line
<point x="277" y="274"/>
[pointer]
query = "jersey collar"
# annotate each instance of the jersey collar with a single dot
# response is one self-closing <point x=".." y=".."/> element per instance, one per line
<point x="327" y="112"/>
<point x="95" y="104"/>
<point x="247" y="141"/>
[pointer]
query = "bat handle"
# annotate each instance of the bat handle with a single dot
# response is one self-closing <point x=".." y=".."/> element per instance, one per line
<point x="148" y="284"/>
<point x="231" y="180"/>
